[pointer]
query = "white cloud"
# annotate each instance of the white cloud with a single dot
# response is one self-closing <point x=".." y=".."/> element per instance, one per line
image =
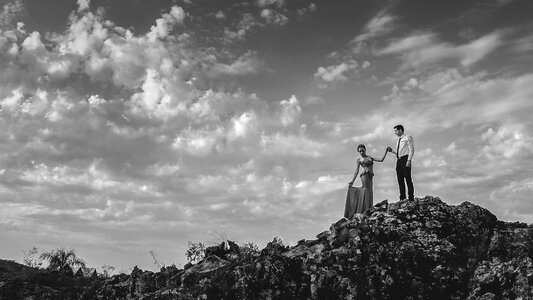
<point x="428" y="159"/>
<point x="246" y="64"/>
<point x="452" y="147"/>
<point x="514" y="200"/>
<point x="380" y="25"/>
<point x="165" y="24"/>
<point x="10" y="11"/>
<point x="273" y="17"/>
<point x="85" y="35"/>
<point x="154" y="97"/>
<point x="448" y="98"/>
<point x="306" y="10"/>
<point x="220" y="15"/>
<point x="13" y="101"/>
<point x="265" y="3"/>
<point x="373" y="127"/>
<point x="291" y="145"/>
<point x="243" y="125"/>
<point x="33" y="43"/>
<point x="423" y="48"/>
<point x="523" y="44"/>
<point x="200" y="142"/>
<point x="409" y="43"/>
<point x="245" y="26"/>
<point x="290" y="111"/>
<point x="336" y="72"/>
<point x="478" y="49"/>
<point x="508" y="141"/>
<point x="165" y="169"/>
<point x="83" y="4"/>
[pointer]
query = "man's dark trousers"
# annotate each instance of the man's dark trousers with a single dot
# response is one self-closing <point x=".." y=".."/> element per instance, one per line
<point x="403" y="174"/>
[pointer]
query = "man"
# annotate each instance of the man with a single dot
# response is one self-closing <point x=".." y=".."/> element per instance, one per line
<point x="405" y="150"/>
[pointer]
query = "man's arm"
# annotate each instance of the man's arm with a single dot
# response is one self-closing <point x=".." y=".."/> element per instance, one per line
<point x="411" y="148"/>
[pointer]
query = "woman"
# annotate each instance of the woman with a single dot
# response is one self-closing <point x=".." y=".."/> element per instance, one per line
<point x="359" y="199"/>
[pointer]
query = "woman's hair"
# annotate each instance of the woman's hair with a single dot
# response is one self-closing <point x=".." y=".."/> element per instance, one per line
<point x="361" y="146"/>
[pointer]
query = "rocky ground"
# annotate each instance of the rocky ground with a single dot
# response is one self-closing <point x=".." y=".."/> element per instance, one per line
<point x="406" y="250"/>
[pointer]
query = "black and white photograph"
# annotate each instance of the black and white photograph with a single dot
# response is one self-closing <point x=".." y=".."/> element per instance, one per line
<point x="266" y="149"/>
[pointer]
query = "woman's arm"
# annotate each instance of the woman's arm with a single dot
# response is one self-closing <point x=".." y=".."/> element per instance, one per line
<point x="356" y="172"/>
<point x="383" y="158"/>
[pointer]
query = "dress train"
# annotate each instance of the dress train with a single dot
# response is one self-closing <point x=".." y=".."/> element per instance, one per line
<point x="359" y="199"/>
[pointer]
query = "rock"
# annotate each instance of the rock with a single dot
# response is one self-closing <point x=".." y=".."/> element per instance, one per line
<point x="381" y="206"/>
<point x="339" y="223"/>
<point x="422" y="249"/>
<point x="274" y="247"/>
<point x="323" y="235"/>
<point x="225" y="250"/>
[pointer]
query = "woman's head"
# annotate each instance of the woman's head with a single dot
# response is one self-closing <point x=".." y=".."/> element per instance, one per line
<point x="361" y="149"/>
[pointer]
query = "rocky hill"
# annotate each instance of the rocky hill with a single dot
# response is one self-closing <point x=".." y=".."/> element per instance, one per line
<point x="406" y="250"/>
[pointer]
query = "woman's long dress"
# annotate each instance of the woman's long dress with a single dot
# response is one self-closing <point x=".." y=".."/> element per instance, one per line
<point x="359" y="199"/>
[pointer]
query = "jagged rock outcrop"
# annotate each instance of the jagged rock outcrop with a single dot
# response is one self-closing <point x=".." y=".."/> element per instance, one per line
<point x="406" y="250"/>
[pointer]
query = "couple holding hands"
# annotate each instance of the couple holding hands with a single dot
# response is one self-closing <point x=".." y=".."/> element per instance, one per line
<point x="359" y="199"/>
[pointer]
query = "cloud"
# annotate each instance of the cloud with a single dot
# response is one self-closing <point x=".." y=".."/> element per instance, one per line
<point x="291" y="111"/>
<point x="514" y="200"/>
<point x="165" y="24"/>
<point x="83" y="4"/>
<point x="291" y="145"/>
<point x="238" y="22"/>
<point x="409" y="43"/>
<point x="243" y="125"/>
<point x="448" y="98"/>
<point x="265" y="3"/>
<point x="220" y="15"/>
<point x="200" y="142"/>
<point x="273" y="17"/>
<point x="247" y="24"/>
<point x="508" y="141"/>
<point x="524" y="44"/>
<point x="146" y="101"/>
<point x="10" y="12"/>
<point x="311" y="8"/>
<point x="424" y="49"/>
<point x="373" y="127"/>
<point x="246" y="64"/>
<point x="336" y="72"/>
<point x="382" y="24"/>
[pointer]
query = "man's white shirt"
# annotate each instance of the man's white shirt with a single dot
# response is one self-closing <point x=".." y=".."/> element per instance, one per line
<point x="407" y="146"/>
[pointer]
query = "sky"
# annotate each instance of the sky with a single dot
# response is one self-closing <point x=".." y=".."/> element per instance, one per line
<point x="131" y="127"/>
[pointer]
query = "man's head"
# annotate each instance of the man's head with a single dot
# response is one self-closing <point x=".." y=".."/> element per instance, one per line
<point x="398" y="130"/>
